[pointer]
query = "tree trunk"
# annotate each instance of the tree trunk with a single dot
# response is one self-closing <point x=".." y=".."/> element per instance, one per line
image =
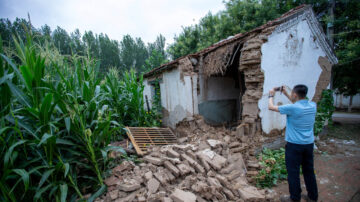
<point x="341" y="98"/>
<point x="350" y="103"/>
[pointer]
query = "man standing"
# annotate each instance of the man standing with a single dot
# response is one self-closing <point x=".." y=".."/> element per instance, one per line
<point x="299" y="135"/>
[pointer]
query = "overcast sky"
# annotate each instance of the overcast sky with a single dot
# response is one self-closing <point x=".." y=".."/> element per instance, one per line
<point x="139" y="18"/>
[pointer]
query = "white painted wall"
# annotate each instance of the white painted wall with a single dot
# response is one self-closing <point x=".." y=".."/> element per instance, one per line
<point x="288" y="61"/>
<point x="147" y="91"/>
<point x="177" y="96"/>
<point x="345" y="100"/>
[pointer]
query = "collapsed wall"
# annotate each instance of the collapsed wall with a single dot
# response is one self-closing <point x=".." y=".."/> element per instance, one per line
<point x="208" y="164"/>
<point x="250" y="65"/>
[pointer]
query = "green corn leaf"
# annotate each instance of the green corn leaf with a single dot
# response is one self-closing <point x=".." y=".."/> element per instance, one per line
<point x="9" y="152"/>
<point x="67" y="123"/>
<point x="23" y="125"/>
<point x="28" y="76"/>
<point x="45" y="176"/>
<point x="44" y="139"/>
<point x="64" y="142"/>
<point x="13" y="66"/>
<point x="45" y="107"/>
<point x="39" y="192"/>
<point x="67" y="168"/>
<point x="63" y="190"/>
<point x="23" y="99"/>
<point x="24" y="175"/>
<point x="6" y="77"/>
<point x="97" y="193"/>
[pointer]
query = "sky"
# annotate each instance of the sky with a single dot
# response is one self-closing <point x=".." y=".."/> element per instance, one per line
<point x="139" y="18"/>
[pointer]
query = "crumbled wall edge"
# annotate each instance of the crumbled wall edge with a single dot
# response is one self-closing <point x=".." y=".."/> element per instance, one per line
<point x="324" y="78"/>
<point x="250" y="65"/>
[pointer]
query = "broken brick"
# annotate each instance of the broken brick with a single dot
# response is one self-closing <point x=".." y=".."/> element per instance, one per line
<point x="250" y="193"/>
<point x="153" y="160"/>
<point x="172" y="168"/>
<point x="172" y="153"/>
<point x="131" y="185"/>
<point x="152" y="185"/>
<point x="183" y="196"/>
<point x="111" y="181"/>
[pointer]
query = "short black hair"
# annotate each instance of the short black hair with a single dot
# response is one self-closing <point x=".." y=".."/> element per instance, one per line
<point x="301" y="90"/>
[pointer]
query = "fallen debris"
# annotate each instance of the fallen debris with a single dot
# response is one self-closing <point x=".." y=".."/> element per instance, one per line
<point x="182" y="196"/>
<point x="205" y="168"/>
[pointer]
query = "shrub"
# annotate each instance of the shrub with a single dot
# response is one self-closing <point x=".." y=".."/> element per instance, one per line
<point x="273" y="168"/>
<point x="325" y="109"/>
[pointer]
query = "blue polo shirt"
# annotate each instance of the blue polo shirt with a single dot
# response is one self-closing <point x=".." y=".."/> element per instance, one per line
<point x="300" y="119"/>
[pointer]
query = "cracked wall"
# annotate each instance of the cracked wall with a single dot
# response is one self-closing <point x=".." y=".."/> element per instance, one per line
<point x="177" y="94"/>
<point x="291" y="57"/>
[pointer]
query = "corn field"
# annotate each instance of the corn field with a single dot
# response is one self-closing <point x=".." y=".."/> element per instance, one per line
<point x="57" y="119"/>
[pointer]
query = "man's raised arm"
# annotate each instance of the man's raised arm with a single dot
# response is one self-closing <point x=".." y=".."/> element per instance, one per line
<point x="286" y="93"/>
<point x="272" y="107"/>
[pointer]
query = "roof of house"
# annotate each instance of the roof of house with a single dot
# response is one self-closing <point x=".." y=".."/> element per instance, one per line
<point x="285" y="17"/>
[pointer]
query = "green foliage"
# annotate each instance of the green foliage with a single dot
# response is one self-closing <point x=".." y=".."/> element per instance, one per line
<point x="347" y="46"/>
<point x="239" y="16"/>
<point x="124" y="55"/>
<point x="273" y="168"/>
<point x="325" y="109"/>
<point x="133" y="52"/>
<point x="155" y="60"/>
<point x="57" y="120"/>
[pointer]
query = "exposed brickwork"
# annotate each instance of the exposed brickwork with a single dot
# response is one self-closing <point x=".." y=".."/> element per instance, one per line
<point x="249" y="64"/>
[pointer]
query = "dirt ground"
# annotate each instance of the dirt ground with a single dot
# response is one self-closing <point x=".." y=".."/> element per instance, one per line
<point x="337" y="165"/>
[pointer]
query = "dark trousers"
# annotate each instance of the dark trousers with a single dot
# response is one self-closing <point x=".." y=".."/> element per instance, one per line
<point x="296" y="155"/>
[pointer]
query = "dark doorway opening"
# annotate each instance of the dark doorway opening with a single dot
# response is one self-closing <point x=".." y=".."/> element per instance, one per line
<point x="222" y="102"/>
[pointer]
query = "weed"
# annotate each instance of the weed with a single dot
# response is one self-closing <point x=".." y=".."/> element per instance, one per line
<point x="273" y="167"/>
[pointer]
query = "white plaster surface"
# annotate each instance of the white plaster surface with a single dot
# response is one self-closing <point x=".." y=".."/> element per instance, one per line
<point x="177" y="96"/>
<point x="147" y="91"/>
<point x="288" y="58"/>
<point x="344" y="101"/>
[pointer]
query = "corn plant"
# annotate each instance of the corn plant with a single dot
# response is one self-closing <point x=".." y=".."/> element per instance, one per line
<point x="56" y="124"/>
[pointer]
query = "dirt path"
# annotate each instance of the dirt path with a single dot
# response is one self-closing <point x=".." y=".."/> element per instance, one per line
<point x="337" y="169"/>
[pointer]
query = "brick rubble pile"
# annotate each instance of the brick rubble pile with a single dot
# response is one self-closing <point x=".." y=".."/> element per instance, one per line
<point x="210" y="164"/>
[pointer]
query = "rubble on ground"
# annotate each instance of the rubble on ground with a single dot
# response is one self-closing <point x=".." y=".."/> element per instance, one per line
<point x="209" y="164"/>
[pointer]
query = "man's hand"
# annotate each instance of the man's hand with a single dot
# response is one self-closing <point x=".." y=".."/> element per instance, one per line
<point x="285" y="92"/>
<point x="272" y="92"/>
<point x="271" y="101"/>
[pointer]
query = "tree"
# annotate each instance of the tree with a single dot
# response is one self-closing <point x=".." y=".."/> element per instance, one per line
<point x="239" y="16"/>
<point x="158" y="45"/>
<point x="62" y="41"/>
<point x="45" y="31"/>
<point x="77" y="45"/>
<point x="133" y="53"/>
<point x="126" y="54"/>
<point x="91" y="43"/>
<point x="347" y="48"/>
<point x="109" y="52"/>
<point x="155" y="60"/>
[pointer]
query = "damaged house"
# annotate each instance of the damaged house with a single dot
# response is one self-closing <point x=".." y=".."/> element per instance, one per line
<point x="229" y="81"/>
